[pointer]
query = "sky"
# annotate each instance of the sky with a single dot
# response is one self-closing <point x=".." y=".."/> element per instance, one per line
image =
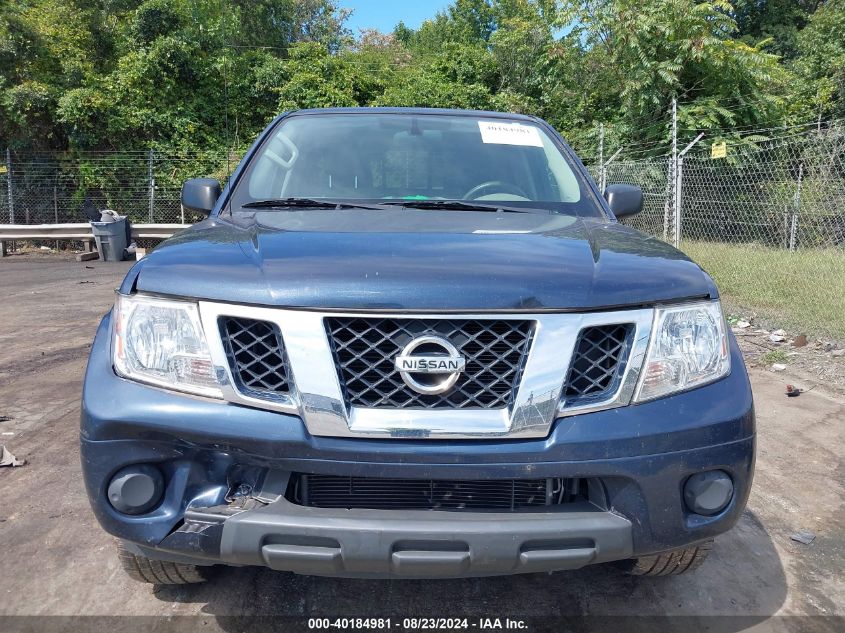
<point x="385" y="14"/>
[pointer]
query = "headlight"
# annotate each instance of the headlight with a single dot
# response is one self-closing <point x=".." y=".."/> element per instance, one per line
<point x="162" y="343"/>
<point x="689" y="347"/>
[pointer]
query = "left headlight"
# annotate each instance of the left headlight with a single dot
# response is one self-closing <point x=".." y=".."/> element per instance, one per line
<point x="161" y="342"/>
<point x="689" y="348"/>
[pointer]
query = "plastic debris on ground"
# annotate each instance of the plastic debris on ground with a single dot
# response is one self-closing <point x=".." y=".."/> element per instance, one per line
<point x="7" y="459"/>
<point x="804" y="536"/>
<point x="778" y="367"/>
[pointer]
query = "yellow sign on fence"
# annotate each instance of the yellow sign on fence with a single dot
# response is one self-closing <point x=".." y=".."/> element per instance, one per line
<point x="719" y="150"/>
<point x="2" y="169"/>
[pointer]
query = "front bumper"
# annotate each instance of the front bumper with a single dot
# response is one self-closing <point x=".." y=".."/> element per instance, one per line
<point x="416" y="544"/>
<point x="641" y="455"/>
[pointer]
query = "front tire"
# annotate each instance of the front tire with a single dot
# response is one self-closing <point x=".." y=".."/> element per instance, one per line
<point x="674" y="563"/>
<point x="159" y="572"/>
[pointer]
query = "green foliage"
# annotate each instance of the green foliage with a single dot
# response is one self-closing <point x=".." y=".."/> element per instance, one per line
<point x="777" y="22"/>
<point x="821" y="59"/>
<point x="663" y="49"/>
<point x="775" y="356"/>
<point x="315" y="79"/>
<point x="190" y="76"/>
<point x="153" y="19"/>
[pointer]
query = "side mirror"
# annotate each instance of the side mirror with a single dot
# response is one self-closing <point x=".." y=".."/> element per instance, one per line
<point x="200" y="195"/>
<point x="624" y="200"/>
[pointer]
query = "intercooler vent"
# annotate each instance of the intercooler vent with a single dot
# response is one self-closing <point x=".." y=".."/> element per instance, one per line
<point x="330" y="491"/>
<point x="598" y="362"/>
<point x="256" y="355"/>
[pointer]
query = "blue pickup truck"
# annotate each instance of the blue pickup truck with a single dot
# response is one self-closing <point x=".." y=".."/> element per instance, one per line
<point x="414" y="343"/>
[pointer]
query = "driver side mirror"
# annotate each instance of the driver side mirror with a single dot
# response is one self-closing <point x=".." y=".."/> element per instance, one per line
<point x="200" y="195"/>
<point x="624" y="200"/>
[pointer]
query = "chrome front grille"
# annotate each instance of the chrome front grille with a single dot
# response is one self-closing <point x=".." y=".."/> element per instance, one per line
<point x="256" y="355"/>
<point x="337" y="372"/>
<point x="598" y="362"/>
<point x="365" y="349"/>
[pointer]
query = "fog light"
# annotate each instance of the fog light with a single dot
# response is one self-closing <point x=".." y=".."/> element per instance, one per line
<point x="136" y="489"/>
<point x="708" y="493"/>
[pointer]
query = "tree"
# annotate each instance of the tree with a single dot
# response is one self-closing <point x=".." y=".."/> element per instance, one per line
<point x="192" y="76"/>
<point x="642" y="55"/>
<point x="315" y="79"/>
<point x="87" y="74"/>
<point x="821" y="60"/>
<point x="775" y="22"/>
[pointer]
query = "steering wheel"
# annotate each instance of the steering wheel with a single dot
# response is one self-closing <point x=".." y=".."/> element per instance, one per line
<point x="497" y="186"/>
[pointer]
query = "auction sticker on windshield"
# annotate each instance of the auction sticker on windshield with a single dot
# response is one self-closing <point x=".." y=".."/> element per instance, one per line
<point x="509" y="133"/>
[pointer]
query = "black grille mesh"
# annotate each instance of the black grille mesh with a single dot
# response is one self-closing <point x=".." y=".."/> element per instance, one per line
<point x="257" y="356"/>
<point x="365" y="349"/>
<point x="598" y="360"/>
<point x="331" y="491"/>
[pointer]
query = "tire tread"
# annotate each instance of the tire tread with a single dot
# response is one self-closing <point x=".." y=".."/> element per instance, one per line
<point x="158" y="572"/>
<point x="674" y="563"/>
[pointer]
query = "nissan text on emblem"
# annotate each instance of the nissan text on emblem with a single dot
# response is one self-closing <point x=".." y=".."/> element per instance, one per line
<point x="430" y="365"/>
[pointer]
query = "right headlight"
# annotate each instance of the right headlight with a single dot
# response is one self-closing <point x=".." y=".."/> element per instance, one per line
<point x="161" y="342"/>
<point x="688" y="348"/>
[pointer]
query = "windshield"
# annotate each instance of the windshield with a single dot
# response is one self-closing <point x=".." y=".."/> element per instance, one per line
<point x="389" y="157"/>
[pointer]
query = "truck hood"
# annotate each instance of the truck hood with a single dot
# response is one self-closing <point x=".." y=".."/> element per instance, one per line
<point x="419" y="260"/>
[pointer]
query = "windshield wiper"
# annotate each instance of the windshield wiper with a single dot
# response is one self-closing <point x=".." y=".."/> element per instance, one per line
<point x="446" y="205"/>
<point x="307" y="203"/>
<point x="459" y="205"/>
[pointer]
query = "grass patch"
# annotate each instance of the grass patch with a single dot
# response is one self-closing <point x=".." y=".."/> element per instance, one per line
<point x="802" y="292"/>
<point x="775" y="356"/>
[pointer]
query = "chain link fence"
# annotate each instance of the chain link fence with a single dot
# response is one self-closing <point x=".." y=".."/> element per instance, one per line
<point x="43" y="188"/>
<point x="4" y="197"/>
<point x="767" y="220"/>
<point x="653" y="175"/>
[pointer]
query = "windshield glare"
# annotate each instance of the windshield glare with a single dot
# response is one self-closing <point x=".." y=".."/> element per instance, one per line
<point x="381" y="157"/>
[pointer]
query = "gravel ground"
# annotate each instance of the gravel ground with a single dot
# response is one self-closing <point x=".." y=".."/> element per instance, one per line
<point x="812" y="364"/>
<point x="57" y="561"/>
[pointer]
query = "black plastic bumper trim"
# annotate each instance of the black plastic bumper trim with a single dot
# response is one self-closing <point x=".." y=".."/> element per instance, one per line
<point x="420" y="544"/>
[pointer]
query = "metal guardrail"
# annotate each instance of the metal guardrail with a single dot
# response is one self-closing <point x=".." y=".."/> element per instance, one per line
<point x="78" y="232"/>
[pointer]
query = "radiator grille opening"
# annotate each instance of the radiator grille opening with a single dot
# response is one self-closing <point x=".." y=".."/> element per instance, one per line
<point x="332" y="491"/>
<point x="365" y="350"/>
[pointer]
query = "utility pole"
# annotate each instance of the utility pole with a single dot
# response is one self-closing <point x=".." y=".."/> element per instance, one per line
<point x="601" y="159"/>
<point x="56" y="208"/>
<point x="9" y="186"/>
<point x="669" y="210"/>
<point x="152" y="182"/>
<point x="674" y="129"/>
<point x="679" y="198"/>
<point x="793" y="228"/>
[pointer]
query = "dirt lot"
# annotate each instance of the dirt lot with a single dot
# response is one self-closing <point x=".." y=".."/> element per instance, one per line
<point x="55" y="560"/>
